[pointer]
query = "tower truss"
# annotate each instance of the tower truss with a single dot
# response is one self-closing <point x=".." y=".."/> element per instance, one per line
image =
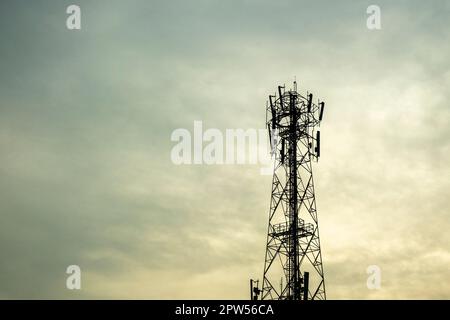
<point x="293" y="262"/>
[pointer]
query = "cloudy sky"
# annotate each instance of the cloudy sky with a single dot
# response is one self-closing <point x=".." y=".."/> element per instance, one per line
<point x="86" y="118"/>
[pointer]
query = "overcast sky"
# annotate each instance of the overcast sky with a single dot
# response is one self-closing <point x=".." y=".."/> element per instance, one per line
<point x="86" y="118"/>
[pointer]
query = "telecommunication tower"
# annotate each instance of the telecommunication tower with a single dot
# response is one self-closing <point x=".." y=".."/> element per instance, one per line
<point x="293" y="262"/>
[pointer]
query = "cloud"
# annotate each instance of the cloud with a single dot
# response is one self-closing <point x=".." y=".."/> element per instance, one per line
<point x="85" y="128"/>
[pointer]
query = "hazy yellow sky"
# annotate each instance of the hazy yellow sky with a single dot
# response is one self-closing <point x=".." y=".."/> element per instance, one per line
<point x="86" y="118"/>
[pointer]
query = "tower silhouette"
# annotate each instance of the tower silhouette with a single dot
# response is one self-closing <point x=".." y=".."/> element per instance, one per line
<point x="293" y="262"/>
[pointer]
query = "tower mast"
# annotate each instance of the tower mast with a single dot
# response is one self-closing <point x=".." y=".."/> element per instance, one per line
<point x="293" y="244"/>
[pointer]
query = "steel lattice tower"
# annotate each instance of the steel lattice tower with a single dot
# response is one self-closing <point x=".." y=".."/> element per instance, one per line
<point x="293" y="262"/>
